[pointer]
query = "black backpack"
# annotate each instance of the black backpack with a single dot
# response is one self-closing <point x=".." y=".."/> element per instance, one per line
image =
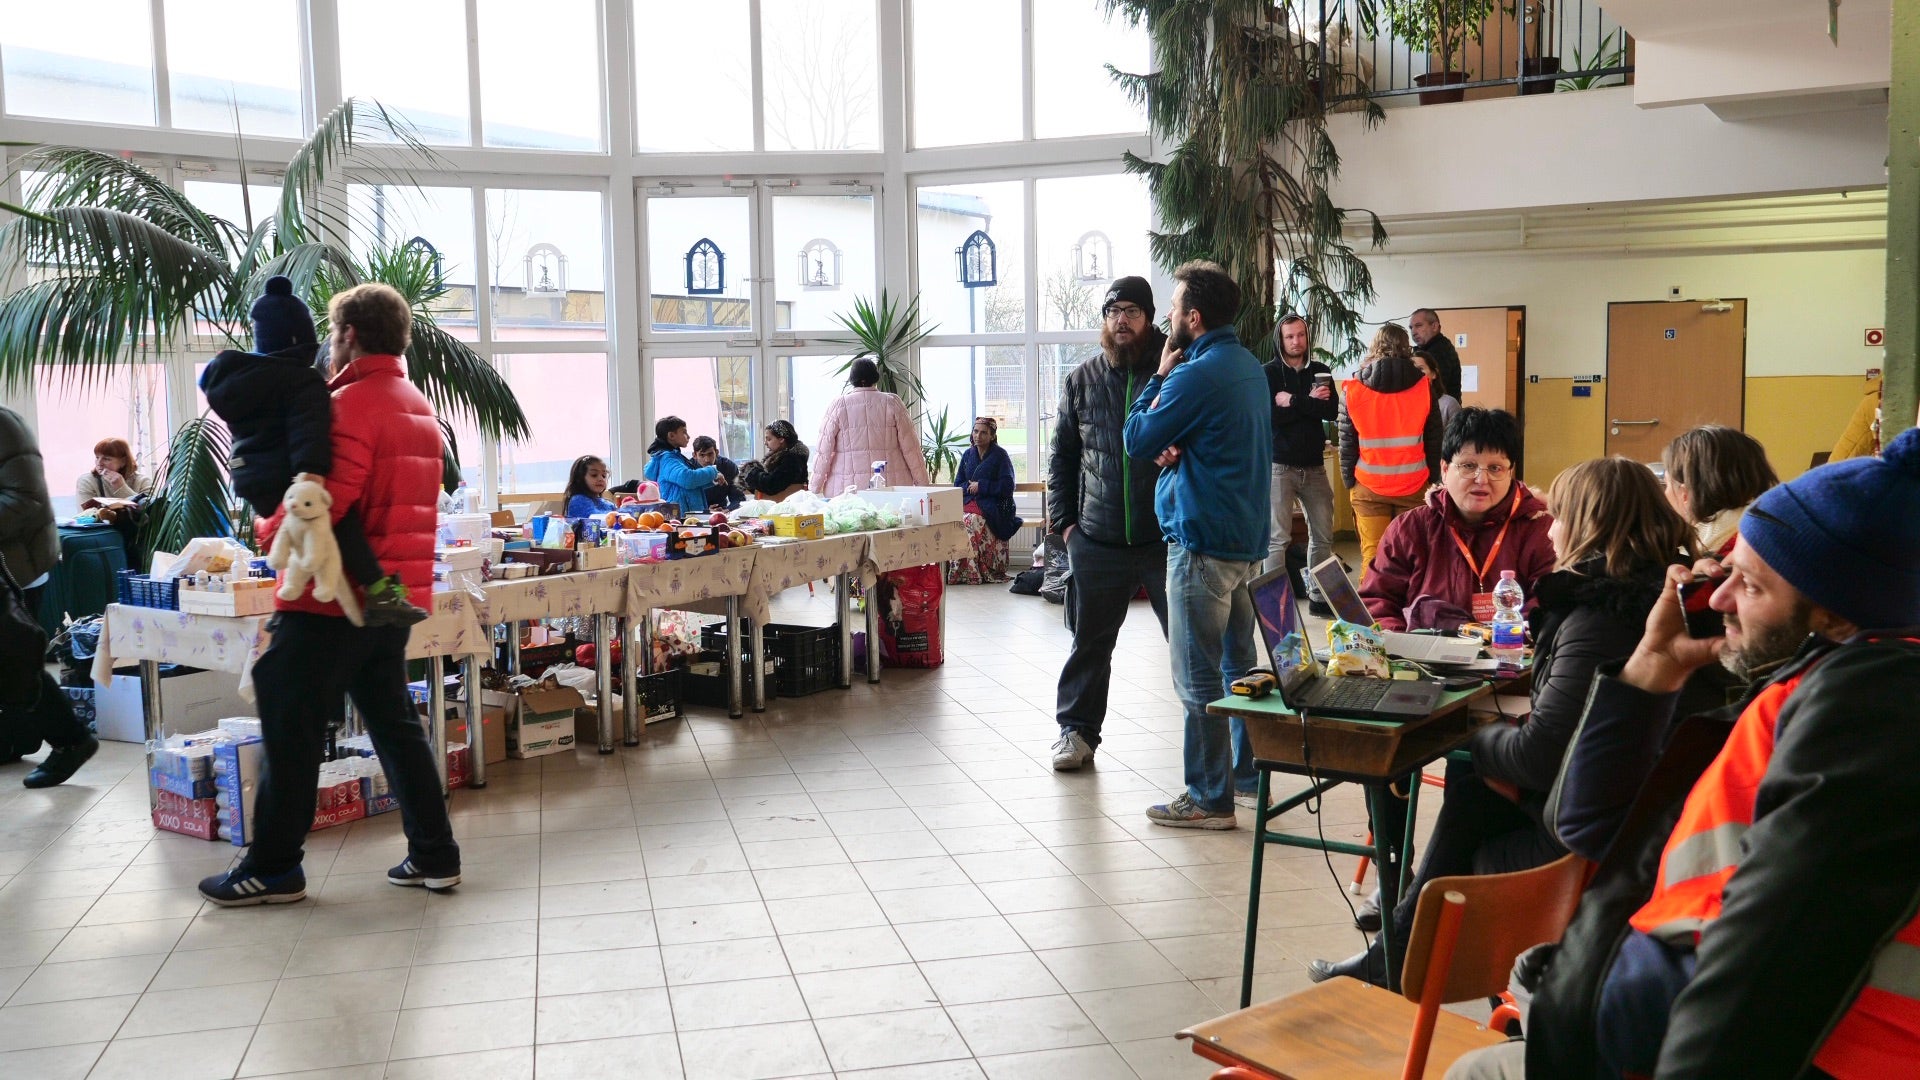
<point x="23" y="645"/>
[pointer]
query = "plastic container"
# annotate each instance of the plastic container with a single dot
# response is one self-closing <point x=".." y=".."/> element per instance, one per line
<point x="878" y="481"/>
<point x="1509" y="639"/>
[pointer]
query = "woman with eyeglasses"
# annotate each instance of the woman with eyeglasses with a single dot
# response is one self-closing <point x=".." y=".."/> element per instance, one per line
<point x="1438" y="563"/>
<point x="985" y="480"/>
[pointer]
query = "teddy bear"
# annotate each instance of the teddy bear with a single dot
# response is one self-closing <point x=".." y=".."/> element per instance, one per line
<point x="304" y="550"/>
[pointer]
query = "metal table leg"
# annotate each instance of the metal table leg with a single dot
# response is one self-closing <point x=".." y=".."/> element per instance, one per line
<point x="150" y="698"/>
<point x="630" y="660"/>
<point x="842" y="592"/>
<point x="603" y="677"/>
<point x="756" y="644"/>
<point x="476" y="722"/>
<point x="1389" y="842"/>
<point x="1260" y="813"/>
<point x="513" y="648"/>
<point x="437" y="716"/>
<point x="733" y="657"/>
<point x="873" y="637"/>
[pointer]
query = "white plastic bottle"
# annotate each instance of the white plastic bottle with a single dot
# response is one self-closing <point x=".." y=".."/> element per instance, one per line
<point x="1509" y="625"/>
<point x="878" y="481"/>
<point x="463" y="501"/>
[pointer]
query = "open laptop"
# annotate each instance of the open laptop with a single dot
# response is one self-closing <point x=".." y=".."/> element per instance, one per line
<point x="1304" y="690"/>
<point x="1345" y="601"/>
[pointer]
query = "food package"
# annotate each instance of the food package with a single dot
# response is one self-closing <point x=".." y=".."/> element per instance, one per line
<point x="1356" y="650"/>
<point x="213" y="554"/>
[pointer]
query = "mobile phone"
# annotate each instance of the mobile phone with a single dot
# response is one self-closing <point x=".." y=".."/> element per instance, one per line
<point x="1702" y="621"/>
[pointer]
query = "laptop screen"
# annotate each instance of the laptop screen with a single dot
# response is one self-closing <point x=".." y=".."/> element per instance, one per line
<point x="1341" y="596"/>
<point x="1279" y="615"/>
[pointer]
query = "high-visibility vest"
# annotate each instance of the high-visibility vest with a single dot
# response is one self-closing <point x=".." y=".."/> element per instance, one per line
<point x="1391" y="430"/>
<point x="1879" y="1036"/>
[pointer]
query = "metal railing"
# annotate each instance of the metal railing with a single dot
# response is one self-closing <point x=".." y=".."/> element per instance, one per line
<point x="1440" y="49"/>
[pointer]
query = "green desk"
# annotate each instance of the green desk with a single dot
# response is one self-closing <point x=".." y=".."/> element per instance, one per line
<point x="1328" y="752"/>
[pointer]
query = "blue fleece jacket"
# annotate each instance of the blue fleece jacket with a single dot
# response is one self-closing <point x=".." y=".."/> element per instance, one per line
<point x="680" y="480"/>
<point x="1215" y="408"/>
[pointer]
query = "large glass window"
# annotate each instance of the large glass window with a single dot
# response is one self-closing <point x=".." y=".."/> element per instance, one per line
<point x="693" y="75"/>
<point x="540" y="74"/>
<point x="546" y="253"/>
<point x="808" y="384"/>
<point x="1073" y="42"/>
<point x="966" y="72"/>
<point x="86" y="60"/>
<point x="1092" y="229"/>
<point x="435" y="220"/>
<point x="224" y="55"/>
<point x="979" y="380"/>
<point x="565" y="398"/>
<point x="949" y="216"/>
<point x="699" y="263"/>
<point x="821" y="74"/>
<point x="412" y="58"/>
<point x="224" y="200"/>
<point x="824" y="257"/>
<point x="713" y="394"/>
<point x="131" y="405"/>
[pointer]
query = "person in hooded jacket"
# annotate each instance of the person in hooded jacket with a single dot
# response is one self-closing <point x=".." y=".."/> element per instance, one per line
<point x="1613" y="537"/>
<point x="277" y="407"/>
<point x="864" y="425"/>
<point x="1303" y="403"/>
<point x="1100" y="503"/>
<point x="1390" y="435"/>
<point x="1438" y="563"/>
<point x="680" y="480"/>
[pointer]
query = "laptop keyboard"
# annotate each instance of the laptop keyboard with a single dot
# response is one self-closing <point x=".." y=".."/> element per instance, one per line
<point x="1346" y="693"/>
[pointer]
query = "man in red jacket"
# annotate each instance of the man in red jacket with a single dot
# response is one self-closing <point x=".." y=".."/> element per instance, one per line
<point x="386" y="464"/>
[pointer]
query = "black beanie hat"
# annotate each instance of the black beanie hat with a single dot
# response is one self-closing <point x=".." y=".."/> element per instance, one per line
<point x="1133" y="290"/>
<point x="280" y="319"/>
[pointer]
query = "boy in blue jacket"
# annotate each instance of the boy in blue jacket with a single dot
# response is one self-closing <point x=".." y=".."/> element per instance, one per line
<point x="680" y="480"/>
<point x="1204" y="416"/>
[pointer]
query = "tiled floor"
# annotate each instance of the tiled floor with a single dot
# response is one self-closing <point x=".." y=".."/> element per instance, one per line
<point x="887" y="882"/>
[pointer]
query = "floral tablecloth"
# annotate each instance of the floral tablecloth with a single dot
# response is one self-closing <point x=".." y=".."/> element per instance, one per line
<point x="555" y="596"/>
<point x="685" y="581"/>
<point x="896" y="549"/>
<point x="778" y="567"/>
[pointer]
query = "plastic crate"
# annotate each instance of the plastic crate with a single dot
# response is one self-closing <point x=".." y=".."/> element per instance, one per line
<point x="139" y="590"/>
<point x="807" y="658"/>
<point x="711" y="690"/>
<point x="660" y="695"/>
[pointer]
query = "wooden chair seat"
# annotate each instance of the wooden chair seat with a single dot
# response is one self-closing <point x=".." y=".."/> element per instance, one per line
<point x="1341" y="1029"/>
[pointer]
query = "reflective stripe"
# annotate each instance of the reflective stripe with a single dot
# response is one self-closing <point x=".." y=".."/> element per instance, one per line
<point x="1897" y="970"/>
<point x="1392" y="470"/>
<point x="1398" y="440"/>
<point x="1703" y="853"/>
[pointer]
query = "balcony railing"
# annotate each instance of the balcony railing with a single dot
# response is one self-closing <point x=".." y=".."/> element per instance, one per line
<point x="1447" y="50"/>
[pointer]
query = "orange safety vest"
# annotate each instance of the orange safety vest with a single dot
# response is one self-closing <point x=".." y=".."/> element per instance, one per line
<point x="1880" y="1034"/>
<point x="1391" y="429"/>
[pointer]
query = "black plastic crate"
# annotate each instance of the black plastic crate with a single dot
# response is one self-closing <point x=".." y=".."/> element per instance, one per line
<point x="660" y="695"/>
<point x="139" y="590"/>
<point x="711" y="690"/>
<point x="808" y="658"/>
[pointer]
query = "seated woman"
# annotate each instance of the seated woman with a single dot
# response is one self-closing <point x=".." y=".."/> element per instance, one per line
<point x="725" y="494"/>
<point x="113" y="476"/>
<point x="1713" y="474"/>
<point x="1613" y="537"/>
<point x="985" y="478"/>
<point x="587" y="488"/>
<point x="1438" y="563"/>
<point x="680" y="480"/>
<point x="784" y="470"/>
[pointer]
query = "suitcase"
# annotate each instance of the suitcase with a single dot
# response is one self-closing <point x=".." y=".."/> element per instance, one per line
<point x="82" y="582"/>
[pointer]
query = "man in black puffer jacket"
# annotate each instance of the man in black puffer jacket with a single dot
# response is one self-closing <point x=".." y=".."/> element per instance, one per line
<point x="1100" y="502"/>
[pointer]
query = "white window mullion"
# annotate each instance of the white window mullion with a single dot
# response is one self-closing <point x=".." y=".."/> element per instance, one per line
<point x="323" y="60"/>
<point x="162" y="81"/>
<point x="1026" y="70"/>
<point x="755" y="50"/>
<point x="475" y="130"/>
<point x="1031" y="189"/>
<point x="483" y="325"/>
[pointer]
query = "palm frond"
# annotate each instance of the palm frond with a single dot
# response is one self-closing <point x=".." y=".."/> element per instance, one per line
<point x="337" y="141"/>
<point x="190" y="496"/>
<point x="460" y="383"/>
<point x="941" y="444"/>
<point x="885" y="333"/>
<point x="72" y="176"/>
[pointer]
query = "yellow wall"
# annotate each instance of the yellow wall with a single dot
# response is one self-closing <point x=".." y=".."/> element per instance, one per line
<point x="1793" y="416"/>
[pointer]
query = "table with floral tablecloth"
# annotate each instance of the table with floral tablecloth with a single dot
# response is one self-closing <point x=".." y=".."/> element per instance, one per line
<point x="779" y="567"/>
<point x="687" y="581"/>
<point x="920" y="545"/>
<point x="555" y="596"/>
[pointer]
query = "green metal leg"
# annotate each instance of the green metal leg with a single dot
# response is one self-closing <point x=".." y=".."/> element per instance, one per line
<point x="1260" y="814"/>
<point x="1406" y="838"/>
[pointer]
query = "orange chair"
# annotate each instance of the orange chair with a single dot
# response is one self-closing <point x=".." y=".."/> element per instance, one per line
<point x="1466" y="933"/>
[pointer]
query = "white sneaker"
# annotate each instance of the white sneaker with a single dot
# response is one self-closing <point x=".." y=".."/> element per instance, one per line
<point x="1246" y="800"/>
<point x="1071" y="752"/>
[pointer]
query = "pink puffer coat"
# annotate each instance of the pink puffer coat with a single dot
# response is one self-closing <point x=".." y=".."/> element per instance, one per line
<point x="862" y="426"/>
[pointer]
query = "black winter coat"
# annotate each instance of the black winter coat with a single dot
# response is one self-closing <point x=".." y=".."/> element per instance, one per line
<point x="1299" y="439"/>
<point x="29" y="541"/>
<point x="1091" y="482"/>
<point x="788" y="470"/>
<point x="280" y="414"/>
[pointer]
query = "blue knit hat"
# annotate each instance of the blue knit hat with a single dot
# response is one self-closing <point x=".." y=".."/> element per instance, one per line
<point x="280" y="319"/>
<point x="1847" y="535"/>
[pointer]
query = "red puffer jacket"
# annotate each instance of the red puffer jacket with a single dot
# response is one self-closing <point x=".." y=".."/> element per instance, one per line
<point x="386" y="464"/>
<point x="1419" y="562"/>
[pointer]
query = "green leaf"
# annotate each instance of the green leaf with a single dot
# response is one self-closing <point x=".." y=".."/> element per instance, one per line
<point x="190" y="494"/>
<point x="885" y="333"/>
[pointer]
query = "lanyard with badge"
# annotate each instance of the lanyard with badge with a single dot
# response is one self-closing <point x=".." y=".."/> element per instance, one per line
<point x="1483" y="596"/>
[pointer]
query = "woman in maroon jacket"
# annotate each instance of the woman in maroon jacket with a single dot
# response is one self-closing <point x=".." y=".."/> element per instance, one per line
<point x="1437" y="564"/>
<point x="386" y="464"/>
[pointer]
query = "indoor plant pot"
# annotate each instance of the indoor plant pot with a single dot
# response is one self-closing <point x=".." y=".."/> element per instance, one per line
<point x="1442" y="79"/>
<point x="1539" y="65"/>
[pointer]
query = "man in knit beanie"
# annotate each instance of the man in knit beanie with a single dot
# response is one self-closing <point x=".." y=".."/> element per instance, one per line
<point x="1757" y="913"/>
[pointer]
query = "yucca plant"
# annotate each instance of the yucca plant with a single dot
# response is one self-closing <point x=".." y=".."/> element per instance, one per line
<point x="116" y="267"/>
<point x="886" y="333"/>
<point x="942" y="445"/>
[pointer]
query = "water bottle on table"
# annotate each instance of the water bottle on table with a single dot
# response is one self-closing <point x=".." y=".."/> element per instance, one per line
<point x="1509" y="625"/>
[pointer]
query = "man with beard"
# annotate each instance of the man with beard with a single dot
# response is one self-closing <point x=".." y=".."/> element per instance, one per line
<point x="1777" y="937"/>
<point x="1424" y="325"/>
<point x="1303" y="405"/>
<point x="1205" y="414"/>
<point x="1100" y="503"/>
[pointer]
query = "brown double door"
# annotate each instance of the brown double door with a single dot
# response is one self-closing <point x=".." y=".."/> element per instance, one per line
<point x="1671" y="366"/>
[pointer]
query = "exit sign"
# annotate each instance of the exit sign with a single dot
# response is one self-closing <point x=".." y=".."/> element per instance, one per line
<point x="1876" y="336"/>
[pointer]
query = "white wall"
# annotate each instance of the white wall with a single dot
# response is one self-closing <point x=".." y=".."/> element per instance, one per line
<point x="1806" y="310"/>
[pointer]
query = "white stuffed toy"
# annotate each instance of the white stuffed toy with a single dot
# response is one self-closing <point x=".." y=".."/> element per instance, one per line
<point x="304" y="550"/>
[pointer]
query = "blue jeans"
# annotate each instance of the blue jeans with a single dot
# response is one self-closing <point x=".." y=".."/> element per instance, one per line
<point x="1211" y="629"/>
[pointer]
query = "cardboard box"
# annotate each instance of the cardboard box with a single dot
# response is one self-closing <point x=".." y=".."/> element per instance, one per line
<point x="247" y="596"/>
<point x="190" y="702"/>
<point x="800" y="526"/>
<point x="543" y="723"/>
<point x="179" y="787"/>
<point x="459" y="769"/>
<point x="921" y="505"/>
<point x="596" y="558"/>
<point x="189" y="817"/>
<point x="339" y="815"/>
<point x="493" y="730"/>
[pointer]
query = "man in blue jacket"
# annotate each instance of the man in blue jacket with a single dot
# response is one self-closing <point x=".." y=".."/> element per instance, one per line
<point x="1205" y="414"/>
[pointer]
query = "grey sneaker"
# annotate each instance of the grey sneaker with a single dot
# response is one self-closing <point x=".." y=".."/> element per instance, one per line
<point x="1071" y="752"/>
<point x="1182" y="814"/>
<point x="1247" y="800"/>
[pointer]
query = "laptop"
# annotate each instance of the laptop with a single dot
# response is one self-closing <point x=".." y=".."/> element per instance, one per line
<point x="1304" y="690"/>
<point x="1426" y="648"/>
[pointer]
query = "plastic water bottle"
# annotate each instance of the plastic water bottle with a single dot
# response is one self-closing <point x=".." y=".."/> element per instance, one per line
<point x="463" y="498"/>
<point x="1509" y="626"/>
<point x="878" y="481"/>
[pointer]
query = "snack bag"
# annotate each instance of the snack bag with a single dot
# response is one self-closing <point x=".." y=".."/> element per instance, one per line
<point x="1356" y="650"/>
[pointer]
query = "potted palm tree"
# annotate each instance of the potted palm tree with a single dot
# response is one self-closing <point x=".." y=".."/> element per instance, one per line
<point x="1444" y="27"/>
<point x="885" y="332"/>
<point x="120" y="268"/>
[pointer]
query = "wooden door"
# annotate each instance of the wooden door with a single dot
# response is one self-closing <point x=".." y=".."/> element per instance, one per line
<point x="1673" y="365"/>
<point x="1491" y="351"/>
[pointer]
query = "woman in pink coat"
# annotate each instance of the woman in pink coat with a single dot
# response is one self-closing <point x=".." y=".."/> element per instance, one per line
<point x="862" y="426"/>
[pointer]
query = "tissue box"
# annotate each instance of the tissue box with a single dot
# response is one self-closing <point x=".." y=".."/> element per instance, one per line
<point x="920" y="505"/>
<point x="801" y="526"/>
<point x="596" y="558"/>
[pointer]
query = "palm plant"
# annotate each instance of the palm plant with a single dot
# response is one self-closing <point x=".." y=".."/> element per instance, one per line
<point x="885" y="333"/>
<point x="120" y="267"/>
<point x="941" y="444"/>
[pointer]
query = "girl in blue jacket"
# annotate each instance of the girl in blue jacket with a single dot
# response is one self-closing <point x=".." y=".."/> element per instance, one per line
<point x="680" y="480"/>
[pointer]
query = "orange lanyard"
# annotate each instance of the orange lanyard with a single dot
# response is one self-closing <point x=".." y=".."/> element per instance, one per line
<point x="1479" y="575"/>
